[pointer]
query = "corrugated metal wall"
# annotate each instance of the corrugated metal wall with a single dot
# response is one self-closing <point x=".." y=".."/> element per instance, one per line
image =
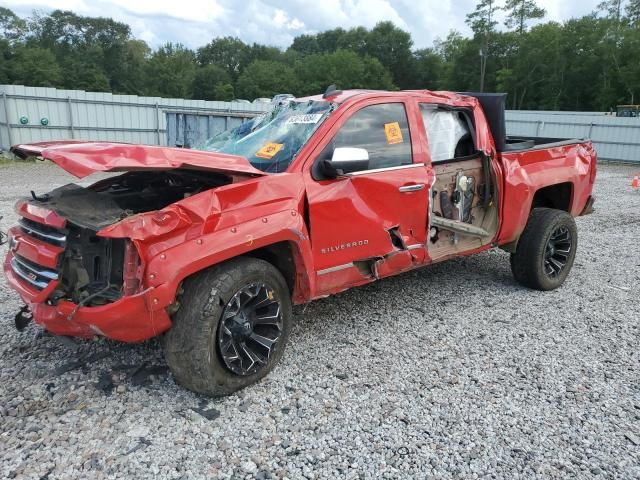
<point x="103" y="116"/>
<point x="615" y="139"/>
<point x="160" y="121"/>
<point x="193" y="129"/>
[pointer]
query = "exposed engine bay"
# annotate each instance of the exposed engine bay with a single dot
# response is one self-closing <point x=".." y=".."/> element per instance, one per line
<point x="116" y="198"/>
<point x="94" y="270"/>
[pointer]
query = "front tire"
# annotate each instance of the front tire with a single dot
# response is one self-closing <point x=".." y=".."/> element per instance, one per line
<point x="231" y="328"/>
<point x="546" y="249"/>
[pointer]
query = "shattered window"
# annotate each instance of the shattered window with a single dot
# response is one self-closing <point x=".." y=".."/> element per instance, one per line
<point x="271" y="141"/>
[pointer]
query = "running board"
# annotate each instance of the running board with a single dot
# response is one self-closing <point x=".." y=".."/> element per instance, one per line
<point x="458" y="227"/>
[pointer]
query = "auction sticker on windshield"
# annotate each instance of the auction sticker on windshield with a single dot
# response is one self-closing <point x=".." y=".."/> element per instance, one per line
<point x="269" y="150"/>
<point x="308" y="118"/>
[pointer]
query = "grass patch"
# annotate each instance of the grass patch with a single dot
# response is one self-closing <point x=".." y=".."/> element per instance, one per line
<point x="9" y="160"/>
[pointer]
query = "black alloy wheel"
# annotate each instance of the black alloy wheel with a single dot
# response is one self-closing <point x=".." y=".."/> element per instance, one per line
<point x="250" y="326"/>
<point x="557" y="251"/>
<point x="546" y="249"/>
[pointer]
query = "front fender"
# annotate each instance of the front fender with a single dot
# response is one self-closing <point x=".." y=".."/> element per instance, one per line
<point x="166" y="270"/>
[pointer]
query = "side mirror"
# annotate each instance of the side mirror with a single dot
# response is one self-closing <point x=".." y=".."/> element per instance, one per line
<point x="346" y="160"/>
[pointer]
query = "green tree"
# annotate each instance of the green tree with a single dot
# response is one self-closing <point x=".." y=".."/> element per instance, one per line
<point x="630" y="67"/>
<point x="519" y="12"/>
<point x="12" y="27"/>
<point x="329" y="40"/>
<point x="97" y="46"/>
<point x="456" y="74"/>
<point x="305" y="45"/>
<point x="170" y="71"/>
<point x="34" y="66"/>
<point x="262" y="52"/>
<point x="612" y="9"/>
<point x="132" y="79"/>
<point x="229" y="53"/>
<point x="633" y="12"/>
<point x="429" y="69"/>
<point x="343" y="68"/>
<point x="206" y="81"/>
<point x="84" y="70"/>
<point x="483" y="23"/>
<point x="224" y="92"/>
<point x="356" y="39"/>
<point x="392" y="46"/>
<point x="264" y="78"/>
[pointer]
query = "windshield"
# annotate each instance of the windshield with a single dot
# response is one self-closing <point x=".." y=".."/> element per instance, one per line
<point x="272" y="140"/>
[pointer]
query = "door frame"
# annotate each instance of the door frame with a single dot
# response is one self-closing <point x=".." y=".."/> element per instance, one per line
<point x="345" y="275"/>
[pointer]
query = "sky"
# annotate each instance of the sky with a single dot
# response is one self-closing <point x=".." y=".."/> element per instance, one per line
<point x="195" y="22"/>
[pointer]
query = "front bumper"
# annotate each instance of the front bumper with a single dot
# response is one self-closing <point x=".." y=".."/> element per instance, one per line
<point x="131" y="319"/>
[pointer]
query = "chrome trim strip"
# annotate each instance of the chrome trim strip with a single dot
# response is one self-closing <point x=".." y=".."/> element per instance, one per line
<point x="39" y="233"/>
<point x="41" y="273"/>
<point x="16" y="268"/>
<point x="376" y="170"/>
<point x="337" y="268"/>
<point x="415" y="247"/>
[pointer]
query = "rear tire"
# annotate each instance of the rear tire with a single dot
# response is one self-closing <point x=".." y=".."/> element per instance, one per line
<point x="215" y="323"/>
<point x="546" y="249"/>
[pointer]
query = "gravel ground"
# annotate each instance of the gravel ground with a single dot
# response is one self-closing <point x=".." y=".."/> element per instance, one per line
<point x="453" y="371"/>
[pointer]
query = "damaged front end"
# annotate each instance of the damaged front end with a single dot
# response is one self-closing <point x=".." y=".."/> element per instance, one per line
<point x="77" y="255"/>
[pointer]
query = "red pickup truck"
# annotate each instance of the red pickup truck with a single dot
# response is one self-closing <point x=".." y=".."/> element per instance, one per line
<point x="211" y="247"/>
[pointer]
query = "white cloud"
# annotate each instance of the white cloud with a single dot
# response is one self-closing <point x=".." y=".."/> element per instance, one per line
<point x="276" y="22"/>
<point x="76" y="5"/>
<point x="194" y="10"/>
<point x="281" y="19"/>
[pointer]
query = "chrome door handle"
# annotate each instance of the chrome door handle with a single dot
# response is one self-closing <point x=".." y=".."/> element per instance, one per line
<point x="411" y="188"/>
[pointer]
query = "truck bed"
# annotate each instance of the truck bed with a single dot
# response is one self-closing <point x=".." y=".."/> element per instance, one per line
<point x="521" y="143"/>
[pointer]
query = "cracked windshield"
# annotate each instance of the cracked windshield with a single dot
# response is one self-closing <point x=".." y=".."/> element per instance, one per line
<point x="272" y="140"/>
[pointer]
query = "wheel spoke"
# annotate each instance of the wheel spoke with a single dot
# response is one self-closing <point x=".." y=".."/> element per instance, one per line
<point x="262" y="340"/>
<point x="269" y="318"/>
<point x="251" y="355"/>
<point x="557" y="266"/>
<point x="230" y="345"/>
<point x="548" y="269"/>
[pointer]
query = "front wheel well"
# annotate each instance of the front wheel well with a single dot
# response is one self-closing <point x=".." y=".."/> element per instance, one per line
<point x="556" y="196"/>
<point x="279" y="255"/>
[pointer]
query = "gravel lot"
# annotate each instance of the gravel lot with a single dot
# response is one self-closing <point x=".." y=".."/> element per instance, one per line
<point x="453" y="371"/>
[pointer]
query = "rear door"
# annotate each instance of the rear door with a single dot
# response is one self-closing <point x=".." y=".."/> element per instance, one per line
<point x="372" y="223"/>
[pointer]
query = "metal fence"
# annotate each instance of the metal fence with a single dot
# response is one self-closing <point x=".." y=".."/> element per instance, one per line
<point x="32" y="114"/>
<point x="615" y="138"/>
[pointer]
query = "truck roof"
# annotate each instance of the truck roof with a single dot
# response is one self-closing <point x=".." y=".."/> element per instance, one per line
<point x="344" y="95"/>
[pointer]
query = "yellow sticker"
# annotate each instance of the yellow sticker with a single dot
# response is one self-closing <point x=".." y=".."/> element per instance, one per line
<point x="393" y="133"/>
<point x="269" y="150"/>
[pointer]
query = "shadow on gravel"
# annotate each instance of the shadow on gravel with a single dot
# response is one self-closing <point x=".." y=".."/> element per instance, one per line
<point x="450" y="281"/>
<point x="120" y="367"/>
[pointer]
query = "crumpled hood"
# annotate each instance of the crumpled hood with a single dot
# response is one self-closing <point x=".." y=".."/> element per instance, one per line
<point x="84" y="158"/>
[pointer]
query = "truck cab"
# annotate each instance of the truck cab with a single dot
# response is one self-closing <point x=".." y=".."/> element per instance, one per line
<point x="211" y="247"/>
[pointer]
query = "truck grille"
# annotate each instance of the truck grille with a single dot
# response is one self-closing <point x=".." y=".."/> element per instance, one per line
<point x="24" y="262"/>
<point x="43" y="232"/>
<point x="37" y="276"/>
